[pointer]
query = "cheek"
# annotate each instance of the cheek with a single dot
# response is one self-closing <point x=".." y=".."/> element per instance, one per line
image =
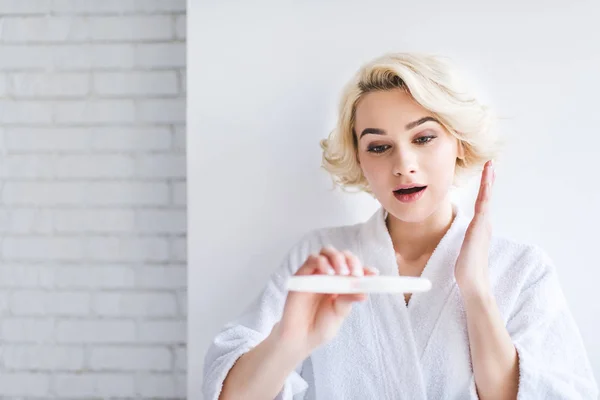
<point x="373" y="171"/>
<point x="442" y="162"/>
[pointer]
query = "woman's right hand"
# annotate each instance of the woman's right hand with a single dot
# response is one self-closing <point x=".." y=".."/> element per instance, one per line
<point x="312" y="319"/>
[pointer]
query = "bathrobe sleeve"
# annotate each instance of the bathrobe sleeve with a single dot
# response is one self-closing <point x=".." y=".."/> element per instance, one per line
<point x="242" y="334"/>
<point x="552" y="359"/>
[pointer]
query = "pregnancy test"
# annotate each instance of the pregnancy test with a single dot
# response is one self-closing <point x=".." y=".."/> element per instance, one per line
<point x="349" y="284"/>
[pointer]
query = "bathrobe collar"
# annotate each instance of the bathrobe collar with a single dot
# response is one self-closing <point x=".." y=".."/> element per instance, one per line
<point x="423" y="309"/>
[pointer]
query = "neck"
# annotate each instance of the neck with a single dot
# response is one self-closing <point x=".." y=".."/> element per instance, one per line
<point x="416" y="239"/>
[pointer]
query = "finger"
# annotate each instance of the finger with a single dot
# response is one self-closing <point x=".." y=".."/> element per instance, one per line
<point x="343" y="303"/>
<point x="353" y="297"/>
<point x="336" y="259"/>
<point x="485" y="186"/>
<point x="310" y="265"/>
<point x="323" y="265"/>
<point x="354" y="263"/>
<point x="369" y="271"/>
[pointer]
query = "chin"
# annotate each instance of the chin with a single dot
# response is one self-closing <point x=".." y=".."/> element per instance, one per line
<point x="409" y="214"/>
<point x="415" y="212"/>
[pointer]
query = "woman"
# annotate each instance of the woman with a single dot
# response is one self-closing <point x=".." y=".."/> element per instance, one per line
<point x="495" y="323"/>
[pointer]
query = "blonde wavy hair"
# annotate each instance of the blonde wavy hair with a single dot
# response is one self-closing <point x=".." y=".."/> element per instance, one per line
<point x="434" y="83"/>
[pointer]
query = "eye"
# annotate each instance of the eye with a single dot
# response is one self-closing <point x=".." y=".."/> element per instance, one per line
<point x="378" y="149"/>
<point x="425" y="139"/>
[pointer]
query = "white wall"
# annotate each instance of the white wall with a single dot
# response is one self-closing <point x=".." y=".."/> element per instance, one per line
<point x="264" y="89"/>
<point x="92" y="199"/>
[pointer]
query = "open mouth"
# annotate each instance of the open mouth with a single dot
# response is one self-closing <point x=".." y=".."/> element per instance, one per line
<point x="409" y="195"/>
<point x="411" y="190"/>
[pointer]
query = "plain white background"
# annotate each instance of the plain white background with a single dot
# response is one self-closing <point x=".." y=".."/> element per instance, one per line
<point x="264" y="85"/>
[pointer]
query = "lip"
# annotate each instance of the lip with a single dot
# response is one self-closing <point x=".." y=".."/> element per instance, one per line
<point x="409" y="198"/>
<point x="408" y="186"/>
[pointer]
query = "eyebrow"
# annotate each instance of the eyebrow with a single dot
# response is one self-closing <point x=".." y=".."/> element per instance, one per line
<point x="409" y="126"/>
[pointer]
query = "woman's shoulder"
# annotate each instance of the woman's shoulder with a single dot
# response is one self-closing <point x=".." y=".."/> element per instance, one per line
<point x="520" y="260"/>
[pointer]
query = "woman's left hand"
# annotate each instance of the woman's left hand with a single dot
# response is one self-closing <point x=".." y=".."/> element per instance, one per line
<point x="471" y="270"/>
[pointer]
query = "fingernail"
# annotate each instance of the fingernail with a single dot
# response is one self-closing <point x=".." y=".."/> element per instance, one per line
<point x="330" y="271"/>
<point x="344" y="270"/>
<point x="358" y="272"/>
<point x="375" y="270"/>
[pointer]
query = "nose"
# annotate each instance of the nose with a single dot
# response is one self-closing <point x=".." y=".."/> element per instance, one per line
<point x="405" y="162"/>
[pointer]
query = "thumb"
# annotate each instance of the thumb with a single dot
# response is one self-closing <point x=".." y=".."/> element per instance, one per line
<point x="343" y="303"/>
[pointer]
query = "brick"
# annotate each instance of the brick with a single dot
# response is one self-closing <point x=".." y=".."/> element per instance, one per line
<point x="127" y="193"/>
<point x="35" y="139"/>
<point x="93" y="7"/>
<point x="131" y="28"/>
<point x="153" y="6"/>
<point x="154" y="304"/>
<point x="180" y="27"/>
<point x="19" y="7"/>
<point x="34" y="302"/>
<point x="179" y="138"/>
<point x="138" y="83"/>
<point x="155" y="55"/>
<point x="95" y="331"/>
<point x="4" y="306"/>
<point x="44" y="193"/>
<point x="91" y="56"/>
<point x="181" y="385"/>
<point x="163" y="332"/>
<point x="57" y="85"/>
<point x="94" y="166"/>
<point x="79" y="57"/>
<point x="95" y="385"/>
<point x="178" y="249"/>
<point x="43" y="248"/>
<point x="161" y="221"/>
<point x="130" y="358"/>
<point x="96" y="277"/>
<point x="54" y="276"/>
<point x="182" y="302"/>
<point x="25" y="57"/>
<point x="159" y="385"/>
<point x="183" y="80"/>
<point x="43" y="29"/>
<point x="27" y="330"/>
<point x="25" y="112"/>
<point x="131" y="139"/>
<point x="25" y="276"/>
<point x="161" y="277"/>
<point x="28" y="166"/>
<point x="94" y="221"/>
<point x="25" y="221"/>
<point x="116" y="248"/>
<point x="99" y="248"/>
<point x="24" y="384"/>
<point x="94" y="111"/>
<point x="22" y="58"/>
<point x="179" y="193"/>
<point x="160" y="166"/>
<point x="3" y="85"/>
<point x="43" y="357"/>
<point x="161" y="110"/>
<point x="181" y="358"/>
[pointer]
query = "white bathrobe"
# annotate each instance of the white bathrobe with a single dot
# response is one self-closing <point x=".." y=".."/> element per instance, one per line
<point x="387" y="350"/>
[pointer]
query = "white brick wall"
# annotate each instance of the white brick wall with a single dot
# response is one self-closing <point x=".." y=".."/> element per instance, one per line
<point x="92" y="199"/>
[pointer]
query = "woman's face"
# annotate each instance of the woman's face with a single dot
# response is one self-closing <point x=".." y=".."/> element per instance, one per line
<point x="400" y="143"/>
